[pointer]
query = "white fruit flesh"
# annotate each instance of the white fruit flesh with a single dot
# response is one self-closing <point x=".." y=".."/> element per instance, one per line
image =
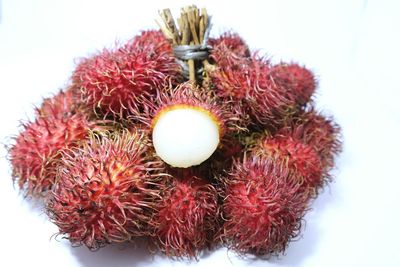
<point x="185" y="136"/>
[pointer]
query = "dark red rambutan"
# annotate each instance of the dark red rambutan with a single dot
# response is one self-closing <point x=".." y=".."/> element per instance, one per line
<point x="187" y="215"/>
<point x="262" y="207"/>
<point x="36" y="151"/>
<point x="297" y="80"/>
<point x="297" y="157"/>
<point x="106" y="192"/>
<point x="111" y="81"/>
<point x="317" y="131"/>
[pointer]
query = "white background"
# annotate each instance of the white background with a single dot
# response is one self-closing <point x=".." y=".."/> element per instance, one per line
<point x="353" y="46"/>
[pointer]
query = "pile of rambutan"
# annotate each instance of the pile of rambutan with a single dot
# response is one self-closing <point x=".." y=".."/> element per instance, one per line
<point x="131" y="148"/>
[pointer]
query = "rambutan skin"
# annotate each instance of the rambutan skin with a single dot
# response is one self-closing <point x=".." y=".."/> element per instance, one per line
<point x="110" y="82"/>
<point x="106" y="191"/>
<point x="187" y="216"/>
<point x="36" y="151"/>
<point x="322" y="133"/>
<point x="226" y="45"/>
<point x="298" y="80"/>
<point x="189" y="95"/>
<point x="247" y="84"/>
<point x="61" y="105"/>
<point x="152" y="38"/>
<point x="262" y="207"/>
<point x="297" y="157"/>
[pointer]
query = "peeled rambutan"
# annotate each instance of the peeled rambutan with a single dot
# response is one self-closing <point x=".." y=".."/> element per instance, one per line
<point x="36" y="151"/>
<point x="112" y="81"/>
<point x="187" y="124"/>
<point x="187" y="215"/>
<point x="297" y="80"/>
<point x="107" y="190"/>
<point x="317" y="131"/>
<point x="297" y="157"/>
<point x="262" y="207"/>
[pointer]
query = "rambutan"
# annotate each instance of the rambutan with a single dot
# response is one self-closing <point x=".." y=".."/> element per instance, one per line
<point x="107" y="190"/>
<point x="269" y="104"/>
<point x="297" y="80"/>
<point x="248" y="85"/>
<point x="187" y="215"/>
<point x="112" y="81"/>
<point x="36" y="151"/>
<point x="262" y="207"/>
<point x="317" y="131"/>
<point x="187" y="124"/>
<point x="152" y="38"/>
<point x="230" y="75"/>
<point x="63" y="104"/>
<point x="297" y="157"/>
<point x="228" y="45"/>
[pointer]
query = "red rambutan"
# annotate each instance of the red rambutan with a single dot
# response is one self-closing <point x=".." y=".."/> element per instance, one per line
<point x="228" y="45"/>
<point x="106" y="192"/>
<point x="36" y="151"/>
<point x="63" y="104"/>
<point x="152" y="38"/>
<point x="248" y="85"/>
<point x="297" y="80"/>
<point x="297" y="157"/>
<point x="187" y="215"/>
<point x="112" y="81"/>
<point x="317" y="131"/>
<point x="262" y="207"/>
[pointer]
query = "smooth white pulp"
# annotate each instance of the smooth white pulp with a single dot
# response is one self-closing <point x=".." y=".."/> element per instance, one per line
<point x="185" y="137"/>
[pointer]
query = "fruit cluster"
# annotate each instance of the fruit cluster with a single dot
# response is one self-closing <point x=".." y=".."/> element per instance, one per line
<point x="89" y="153"/>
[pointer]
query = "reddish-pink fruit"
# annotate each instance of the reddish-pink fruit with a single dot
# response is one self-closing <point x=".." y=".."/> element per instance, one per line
<point x="106" y="192"/>
<point x="228" y="45"/>
<point x="297" y="80"/>
<point x="112" y="81"/>
<point x="187" y="216"/>
<point x="247" y="84"/>
<point x="262" y="207"/>
<point x="230" y="76"/>
<point x="36" y="151"/>
<point x="152" y="38"/>
<point x="63" y="104"/>
<point x="317" y="131"/>
<point x="269" y="103"/>
<point x="297" y="157"/>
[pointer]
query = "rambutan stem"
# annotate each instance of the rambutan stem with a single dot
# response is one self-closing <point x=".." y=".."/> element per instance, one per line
<point x="190" y="40"/>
